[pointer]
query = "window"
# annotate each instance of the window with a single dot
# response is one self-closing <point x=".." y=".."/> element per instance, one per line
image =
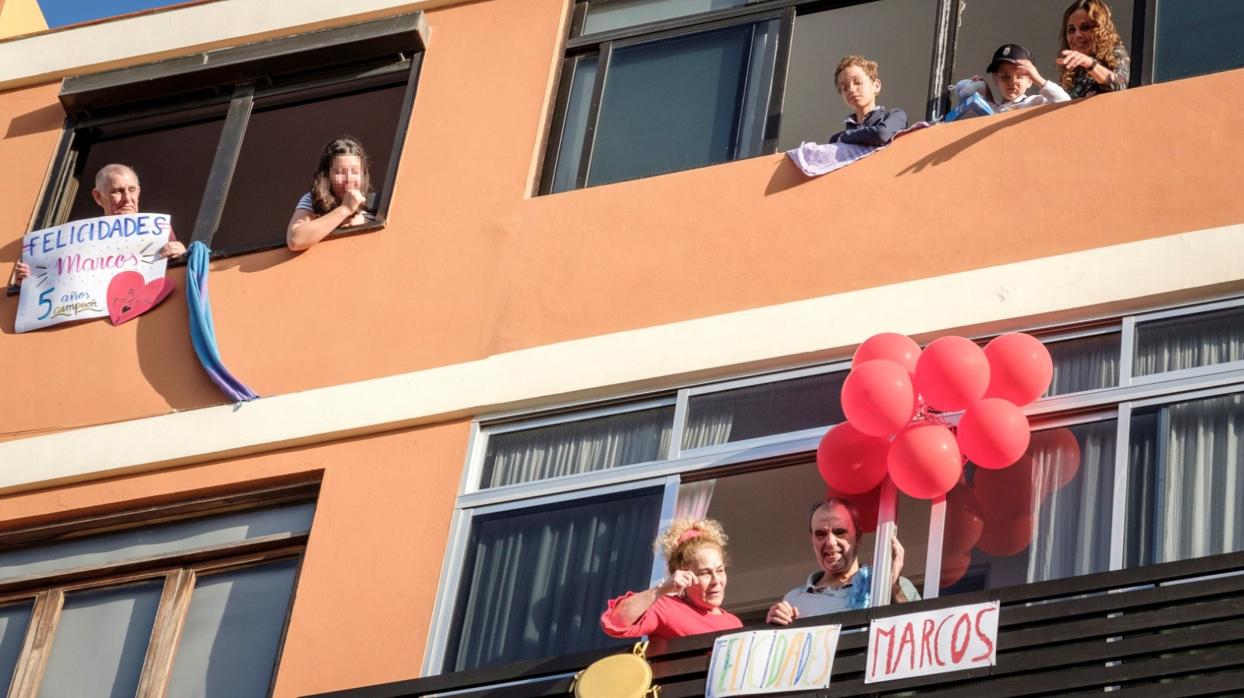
<point x="174" y="600"/>
<point x="1193" y="37"/>
<point x="898" y="34"/>
<point x="227" y="141"/>
<point x="1032" y="24"/>
<point x="1129" y="463"/>
<point x="536" y="580"/>
<point x="655" y="86"/>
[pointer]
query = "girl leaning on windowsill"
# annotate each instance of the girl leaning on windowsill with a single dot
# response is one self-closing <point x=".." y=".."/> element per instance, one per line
<point x="339" y="189"/>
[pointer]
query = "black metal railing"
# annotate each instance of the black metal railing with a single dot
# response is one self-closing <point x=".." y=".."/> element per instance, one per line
<point x="1175" y="629"/>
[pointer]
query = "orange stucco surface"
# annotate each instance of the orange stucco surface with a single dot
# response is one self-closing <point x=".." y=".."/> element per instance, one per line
<point x="373" y="558"/>
<point x="471" y="265"/>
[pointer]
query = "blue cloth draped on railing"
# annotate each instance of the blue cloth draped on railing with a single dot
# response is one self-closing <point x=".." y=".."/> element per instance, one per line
<point x="203" y="331"/>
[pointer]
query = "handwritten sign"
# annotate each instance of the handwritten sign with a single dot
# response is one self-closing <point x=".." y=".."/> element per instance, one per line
<point x="71" y="265"/>
<point x="933" y="642"/>
<point x="771" y="661"/>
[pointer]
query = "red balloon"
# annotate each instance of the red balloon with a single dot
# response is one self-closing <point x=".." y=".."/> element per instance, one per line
<point x="1055" y="454"/>
<point x="851" y="462"/>
<point x="867" y="504"/>
<point x="889" y="346"/>
<point x="924" y="460"/>
<point x="877" y="397"/>
<point x="963" y="520"/>
<point x="952" y="373"/>
<point x="1006" y="494"/>
<point x="1020" y="368"/>
<point x="994" y="433"/>
<point x="1006" y="538"/>
<point x="954" y="566"/>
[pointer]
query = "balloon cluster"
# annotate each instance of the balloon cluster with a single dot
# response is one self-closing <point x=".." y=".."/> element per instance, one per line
<point x="994" y="514"/>
<point x="894" y="398"/>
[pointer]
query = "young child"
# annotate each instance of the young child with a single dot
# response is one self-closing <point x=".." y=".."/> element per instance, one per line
<point x="1013" y="73"/>
<point x="857" y="82"/>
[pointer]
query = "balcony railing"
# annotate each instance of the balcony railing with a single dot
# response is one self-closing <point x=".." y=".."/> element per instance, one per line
<point x="1175" y="629"/>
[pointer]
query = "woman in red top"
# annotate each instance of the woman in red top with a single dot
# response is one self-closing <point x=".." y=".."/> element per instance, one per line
<point x="688" y="601"/>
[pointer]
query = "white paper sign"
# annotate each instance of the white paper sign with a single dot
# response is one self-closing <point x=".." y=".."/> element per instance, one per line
<point x="933" y="642"/>
<point x="71" y="265"/>
<point x="771" y="661"/>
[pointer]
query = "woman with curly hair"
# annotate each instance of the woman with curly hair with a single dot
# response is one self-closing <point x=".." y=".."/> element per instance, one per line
<point x="688" y="601"/>
<point x="1093" y="57"/>
<point x="338" y="189"/>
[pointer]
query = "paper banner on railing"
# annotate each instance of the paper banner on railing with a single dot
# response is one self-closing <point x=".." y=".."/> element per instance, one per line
<point x="72" y="265"/>
<point x="932" y="642"/>
<point x="772" y="661"/>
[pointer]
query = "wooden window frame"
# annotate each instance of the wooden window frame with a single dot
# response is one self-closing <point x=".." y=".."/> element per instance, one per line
<point x="178" y="571"/>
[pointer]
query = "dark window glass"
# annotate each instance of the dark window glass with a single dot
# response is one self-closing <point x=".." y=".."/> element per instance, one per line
<point x="1085" y="363"/>
<point x="535" y="582"/>
<point x="1189" y="341"/>
<point x="1048" y="516"/>
<point x="101" y="641"/>
<point x="172" y="166"/>
<point x="1034" y="24"/>
<point x="582" y="446"/>
<point x="618" y="14"/>
<point x="14" y="619"/>
<point x="233" y="631"/>
<point x="1197" y="36"/>
<point x="570" y="154"/>
<point x="898" y="34"/>
<point x="281" y="150"/>
<point x="763" y="410"/>
<point x="679" y="103"/>
<point x="1184" y="484"/>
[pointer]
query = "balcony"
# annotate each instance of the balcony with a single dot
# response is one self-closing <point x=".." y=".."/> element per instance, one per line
<point x="1169" y="629"/>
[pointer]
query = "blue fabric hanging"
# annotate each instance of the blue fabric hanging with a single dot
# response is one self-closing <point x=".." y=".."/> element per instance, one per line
<point x="203" y="331"/>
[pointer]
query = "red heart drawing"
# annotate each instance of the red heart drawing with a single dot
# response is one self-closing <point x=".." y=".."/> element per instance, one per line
<point x="130" y="296"/>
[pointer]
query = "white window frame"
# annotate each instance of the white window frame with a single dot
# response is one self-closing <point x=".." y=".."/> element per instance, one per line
<point x="1069" y="409"/>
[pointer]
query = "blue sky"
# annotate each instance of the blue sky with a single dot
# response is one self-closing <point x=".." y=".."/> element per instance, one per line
<point x="58" y="13"/>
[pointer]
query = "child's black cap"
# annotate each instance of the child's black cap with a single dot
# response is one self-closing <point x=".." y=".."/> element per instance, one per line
<point x="1008" y="53"/>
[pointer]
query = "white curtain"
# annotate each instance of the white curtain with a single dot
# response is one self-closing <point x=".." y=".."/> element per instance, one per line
<point x="693" y="499"/>
<point x="1086" y="363"/>
<point x="1187" y="342"/>
<point x="572" y="448"/>
<point x="1071" y="521"/>
<point x="1197" y="497"/>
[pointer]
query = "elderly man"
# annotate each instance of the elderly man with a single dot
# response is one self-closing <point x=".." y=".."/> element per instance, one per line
<point x="116" y="191"/>
<point x="840" y="583"/>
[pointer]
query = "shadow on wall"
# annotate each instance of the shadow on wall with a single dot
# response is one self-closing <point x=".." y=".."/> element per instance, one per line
<point x="946" y="152"/>
<point x="165" y="355"/>
<point x="47" y="118"/>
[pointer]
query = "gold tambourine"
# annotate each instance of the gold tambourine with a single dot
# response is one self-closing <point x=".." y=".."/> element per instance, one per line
<point x="617" y="676"/>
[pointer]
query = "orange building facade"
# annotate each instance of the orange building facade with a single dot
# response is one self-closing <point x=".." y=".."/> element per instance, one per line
<point x="393" y="362"/>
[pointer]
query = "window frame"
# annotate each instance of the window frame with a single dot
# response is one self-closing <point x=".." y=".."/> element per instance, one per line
<point x="1069" y="409"/>
<point x="579" y="46"/>
<point x="178" y="570"/>
<point x="358" y="54"/>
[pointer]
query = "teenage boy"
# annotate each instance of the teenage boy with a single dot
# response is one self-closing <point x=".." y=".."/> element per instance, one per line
<point x="1013" y="73"/>
<point x="857" y="82"/>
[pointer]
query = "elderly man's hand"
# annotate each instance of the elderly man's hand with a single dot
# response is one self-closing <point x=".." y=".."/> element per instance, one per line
<point x="781" y="613"/>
